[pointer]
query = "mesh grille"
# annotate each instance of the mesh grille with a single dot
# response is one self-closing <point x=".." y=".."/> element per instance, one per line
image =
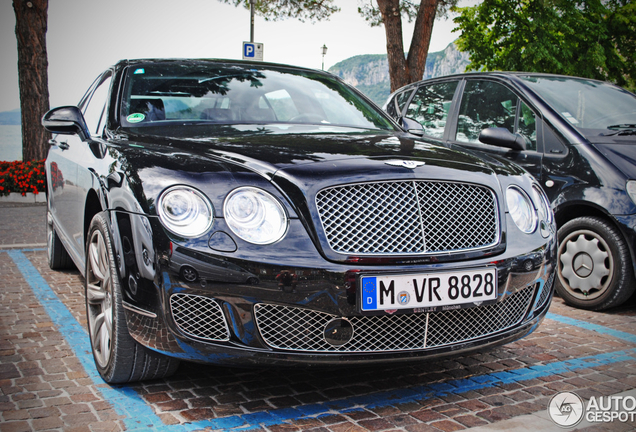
<point x="199" y="316"/>
<point x="408" y="217"/>
<point x="545" y="292"/>
<point x="464" y="324"/>
<point x="292" y="328"/>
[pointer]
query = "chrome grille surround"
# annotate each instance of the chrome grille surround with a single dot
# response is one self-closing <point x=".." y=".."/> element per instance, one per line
<point x="408" y="217"/>
<point x="199" y="316"/>
<point x="298" y="329"/>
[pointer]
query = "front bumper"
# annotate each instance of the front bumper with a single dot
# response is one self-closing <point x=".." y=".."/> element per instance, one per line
<point x="230" y="318"/>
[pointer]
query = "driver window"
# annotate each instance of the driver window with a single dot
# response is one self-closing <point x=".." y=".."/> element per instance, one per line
<point x="485" y="104"/>
<point x="96" y="108"/>
<point x="430" y="107"/>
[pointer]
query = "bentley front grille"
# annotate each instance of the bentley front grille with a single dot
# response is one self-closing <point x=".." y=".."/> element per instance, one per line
<point x="298" y="329"/>
<point x="408" y="217"/>
<point x="199" y="316"/>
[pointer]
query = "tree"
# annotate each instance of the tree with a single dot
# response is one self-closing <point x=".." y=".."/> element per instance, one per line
<point x="405" y="70"/>
<point x="30" y="30"/>
<point x="274" y="10"/>
<point x="402" y="70"/>
<point x="588" y="38"/>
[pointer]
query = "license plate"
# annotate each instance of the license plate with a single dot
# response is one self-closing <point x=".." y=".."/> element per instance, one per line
<point x="390" y="292"/>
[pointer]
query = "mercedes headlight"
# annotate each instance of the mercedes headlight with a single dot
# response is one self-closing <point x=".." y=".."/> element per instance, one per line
<point x="255" y="216"/>
<point x="543" y="204"/>
<point x="521" y="209"/>
<point x="185" y="211"/>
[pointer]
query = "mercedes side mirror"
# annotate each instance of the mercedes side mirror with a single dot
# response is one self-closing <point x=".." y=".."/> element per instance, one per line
<point x="502" y="137"/>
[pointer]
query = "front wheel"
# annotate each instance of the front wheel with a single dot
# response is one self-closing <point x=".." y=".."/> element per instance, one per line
<point x="594" y="266"/>
<point x="118" y="357"/>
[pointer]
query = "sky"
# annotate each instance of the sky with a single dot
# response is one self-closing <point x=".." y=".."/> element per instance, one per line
<point x="85" y="37"/>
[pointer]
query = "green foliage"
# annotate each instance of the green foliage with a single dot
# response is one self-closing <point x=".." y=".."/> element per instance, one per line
<point x="369" y="10"/>
<point x="312" y="10"/>
<point x="587" y="38"/>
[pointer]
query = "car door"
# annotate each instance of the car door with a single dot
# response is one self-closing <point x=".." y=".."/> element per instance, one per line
<point x="485" y="103"/>
<point x="69" y="160"/>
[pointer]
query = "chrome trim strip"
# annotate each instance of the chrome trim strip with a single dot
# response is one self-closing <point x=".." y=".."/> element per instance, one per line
<point x="138" y="310"/>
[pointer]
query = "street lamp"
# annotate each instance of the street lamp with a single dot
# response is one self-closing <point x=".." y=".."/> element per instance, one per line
<point x="324" y="51"/>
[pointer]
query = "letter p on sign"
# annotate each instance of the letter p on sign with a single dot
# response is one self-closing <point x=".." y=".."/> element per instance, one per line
<point x="252" y="51"/>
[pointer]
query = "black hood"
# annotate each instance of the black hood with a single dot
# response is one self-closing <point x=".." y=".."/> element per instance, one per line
<point x="619" y="150"/>
<point x="272" y="148"/>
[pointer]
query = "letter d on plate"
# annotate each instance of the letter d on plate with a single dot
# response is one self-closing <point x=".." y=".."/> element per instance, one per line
<point x="369" y="293"/>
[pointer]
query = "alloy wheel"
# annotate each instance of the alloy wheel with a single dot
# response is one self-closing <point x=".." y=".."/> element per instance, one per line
<point x="99" y="298"/>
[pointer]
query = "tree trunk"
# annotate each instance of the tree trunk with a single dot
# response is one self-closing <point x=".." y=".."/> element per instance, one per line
<point x="403" y="71"/>
<point x="418" y="50"/>
<point x="392" y="19"/>
<point x="30" y="30"/>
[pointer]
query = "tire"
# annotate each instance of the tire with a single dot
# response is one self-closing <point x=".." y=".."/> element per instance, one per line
<point x="594" y="266"/>
<point x="189" y="274"/>
<point x="118" y="357"/>
<point x="58" y="257"/>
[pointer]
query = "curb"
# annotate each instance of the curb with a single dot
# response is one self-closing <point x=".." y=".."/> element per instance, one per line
<point x="29" y="198"/>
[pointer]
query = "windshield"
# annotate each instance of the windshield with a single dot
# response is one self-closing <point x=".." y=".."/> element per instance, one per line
<point x="586" y="104"/>
<point x="179" y="94"/>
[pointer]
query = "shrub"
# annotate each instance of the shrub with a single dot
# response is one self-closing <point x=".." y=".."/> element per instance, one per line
<point x="22" y="177"/>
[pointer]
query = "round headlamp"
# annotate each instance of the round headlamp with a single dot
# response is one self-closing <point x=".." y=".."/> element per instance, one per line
<point x="185" y="211"/>
<point x="543" y="204"/>
<point x="255" y="215"/>
<point x="521" y="209"/>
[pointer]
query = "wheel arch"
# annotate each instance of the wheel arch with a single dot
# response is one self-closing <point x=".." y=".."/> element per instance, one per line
<point x="91" y="208"/>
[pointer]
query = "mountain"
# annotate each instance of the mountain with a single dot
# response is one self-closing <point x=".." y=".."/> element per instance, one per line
<point x="369" y="73"/>
<point x="10" y="117"/>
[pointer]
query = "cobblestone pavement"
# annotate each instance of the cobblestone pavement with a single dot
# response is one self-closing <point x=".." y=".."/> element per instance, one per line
<point x="48" y="380"/>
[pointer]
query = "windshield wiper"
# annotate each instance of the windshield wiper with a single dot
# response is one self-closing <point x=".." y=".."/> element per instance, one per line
<point x="622" y="126"/>
<point x="622" y="129"/>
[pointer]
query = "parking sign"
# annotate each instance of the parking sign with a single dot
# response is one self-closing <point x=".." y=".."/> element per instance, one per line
<point x="252" y="51"/>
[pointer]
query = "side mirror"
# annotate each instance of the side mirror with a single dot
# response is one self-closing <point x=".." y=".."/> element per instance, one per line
<point x="66" y="120"/>
<point x="412" y="126"/>
<point x="502" y="137"/>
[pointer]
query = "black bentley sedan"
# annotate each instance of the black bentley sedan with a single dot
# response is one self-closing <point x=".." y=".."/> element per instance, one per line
<point x="576" y="136"/>
<point x="258" y="214"/>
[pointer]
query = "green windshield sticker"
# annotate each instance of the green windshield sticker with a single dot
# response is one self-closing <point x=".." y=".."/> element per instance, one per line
<point x="140" y="71"/>
<point x="135" y="118"/>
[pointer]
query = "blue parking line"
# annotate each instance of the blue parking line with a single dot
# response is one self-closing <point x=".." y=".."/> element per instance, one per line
<point x="617" y="334"/>
<point x="140" y="416"/>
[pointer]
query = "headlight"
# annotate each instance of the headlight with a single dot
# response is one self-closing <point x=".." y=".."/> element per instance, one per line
<point x="255" y="216"/>
<point x="543" y="204"/>
<point x="521" y="209"/>
<point x="631" y="190"/>
<point x="185" y="211"/>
